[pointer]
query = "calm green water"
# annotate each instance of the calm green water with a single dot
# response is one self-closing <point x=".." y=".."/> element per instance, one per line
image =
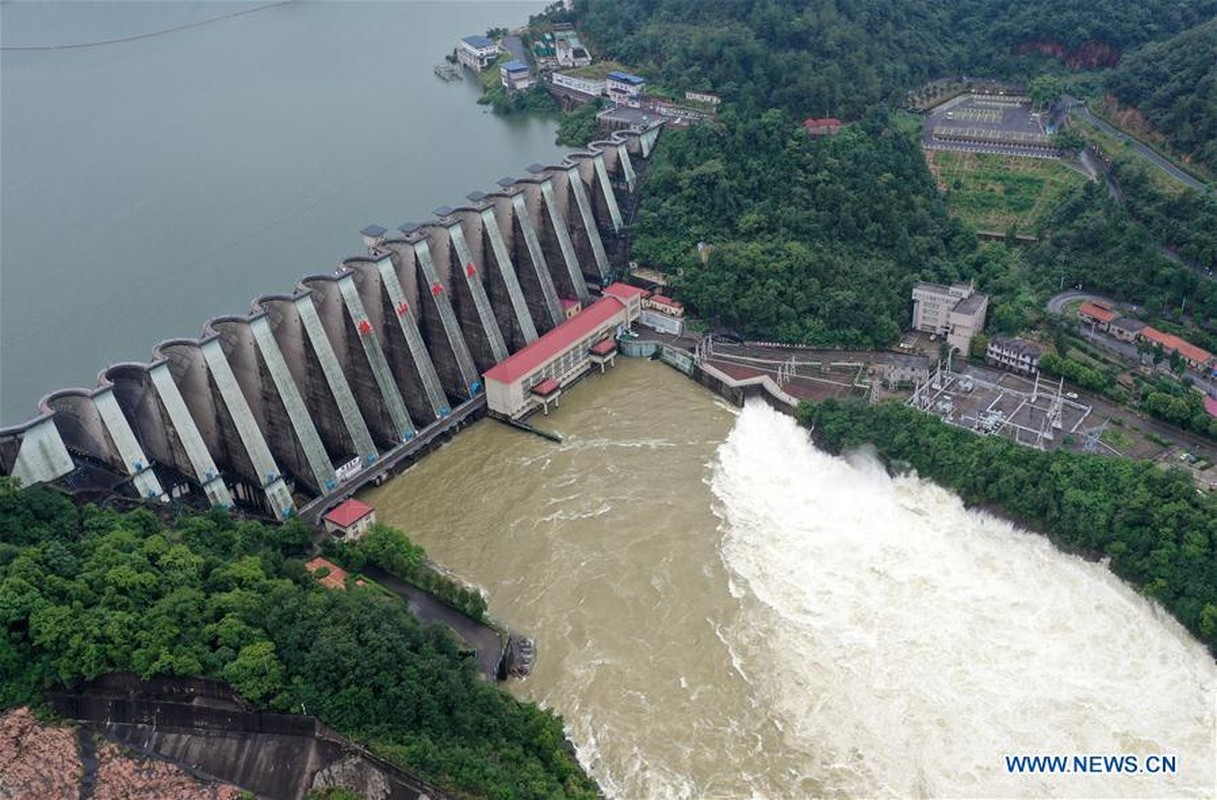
<point x="150" y="185"/>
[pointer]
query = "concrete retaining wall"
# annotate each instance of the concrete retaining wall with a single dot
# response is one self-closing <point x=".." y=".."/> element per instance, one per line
<point x="206" y="728"/>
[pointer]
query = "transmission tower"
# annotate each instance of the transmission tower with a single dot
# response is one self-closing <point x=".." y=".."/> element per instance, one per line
<point x="1055" y="409"/>
<point x="1093" y="437"/>
<point x="785" y="371"/>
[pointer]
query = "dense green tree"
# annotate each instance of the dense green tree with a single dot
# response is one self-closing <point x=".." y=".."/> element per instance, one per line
<point x="1174" y="84"/>
<point x="578" y="127"/>
<point x="1044" y="90"/>
<point x="840" y="57"/>
<point x="798" y="226"/>
<point x="88" y="591"/>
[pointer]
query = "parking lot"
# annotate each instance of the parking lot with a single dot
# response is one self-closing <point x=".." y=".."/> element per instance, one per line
<point x="988" y="124"/>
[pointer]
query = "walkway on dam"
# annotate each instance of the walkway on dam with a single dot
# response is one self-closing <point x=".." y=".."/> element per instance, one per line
<point x="466" y="412"/>
<point x="490" y="644"/>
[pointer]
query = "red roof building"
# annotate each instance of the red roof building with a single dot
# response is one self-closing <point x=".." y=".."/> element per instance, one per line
<point x="664" y="304"/>
<point x="1196" y="357"/>
<point x="1210" y="405"/>
<point x="350" y="518"/>
<point x="604" y="347"/>
<point x="547" y="388"/>
<point x="822" y="126"/>
<point x="1099" y="314"/>
<point x="563" y="354"/>
<point x="624" y="290"/>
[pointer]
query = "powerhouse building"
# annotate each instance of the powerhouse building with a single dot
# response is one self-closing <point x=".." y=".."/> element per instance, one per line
<point x="533" y="376"/>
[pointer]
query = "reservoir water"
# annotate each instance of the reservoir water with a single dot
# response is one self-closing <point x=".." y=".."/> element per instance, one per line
<point x="721" y="610"/>
<point x="151" y="184"/>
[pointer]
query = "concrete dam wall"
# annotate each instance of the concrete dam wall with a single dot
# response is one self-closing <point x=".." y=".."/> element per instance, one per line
<point x="273" y="409"/>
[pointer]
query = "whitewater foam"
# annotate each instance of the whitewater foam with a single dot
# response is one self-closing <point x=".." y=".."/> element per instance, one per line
<point x="905" y="645"/>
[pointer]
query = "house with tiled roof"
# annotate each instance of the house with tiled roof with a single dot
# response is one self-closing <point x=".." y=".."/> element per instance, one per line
<point x="1196" y="357"/>
<point x="350" y="519"/>
<point x="1097" y="314"/>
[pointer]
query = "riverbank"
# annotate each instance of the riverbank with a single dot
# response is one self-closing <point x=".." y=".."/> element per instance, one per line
<point x="715" y="603"/>
<point x="1144" y="519"/>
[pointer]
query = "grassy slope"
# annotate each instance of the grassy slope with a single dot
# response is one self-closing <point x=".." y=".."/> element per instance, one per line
<point x="993" y="193"/>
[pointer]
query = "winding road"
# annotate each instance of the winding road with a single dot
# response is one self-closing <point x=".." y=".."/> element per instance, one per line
<point x="1056" y="305"/>
<point x="1074" y="105"/>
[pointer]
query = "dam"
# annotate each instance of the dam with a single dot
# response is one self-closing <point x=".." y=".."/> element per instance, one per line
<point x="286" y="408"/>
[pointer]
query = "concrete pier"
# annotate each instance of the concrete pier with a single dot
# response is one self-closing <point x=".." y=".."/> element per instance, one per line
<point x="314" y="366"/>
<point x="535" y="278"/>
<point x="93" y="427"/>
<point x="505" y="271"/>
<point x="274" y="398"/>
<point x="458" y="347"/>
<point x="345" y="328"/>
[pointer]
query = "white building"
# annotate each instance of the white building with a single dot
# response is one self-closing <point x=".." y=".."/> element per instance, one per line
<point x="625" y="89"/>
<point x="956" y="312"/>
<point x="1016" y="355"/>
<point x="477" y="52"/>
<point x="663" y="314"/>
<point x="703" y="97"/>
<point x="514" y="76"/>
<point x="534" y="377"/>
<point x="351" y="519"/>
<point x="581" y="85"/>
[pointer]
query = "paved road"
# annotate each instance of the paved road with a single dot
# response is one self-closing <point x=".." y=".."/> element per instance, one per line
<point x="1057" y="304"/>
<point x="1076" y="106"/>
<point x="515" y="46"/>
<point x="488" y="642"/>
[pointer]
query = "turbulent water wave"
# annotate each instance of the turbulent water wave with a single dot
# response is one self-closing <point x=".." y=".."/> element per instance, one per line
<point x="904" y="646"/>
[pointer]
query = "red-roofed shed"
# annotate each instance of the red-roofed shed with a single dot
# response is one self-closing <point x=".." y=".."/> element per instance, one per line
<point x="547" y="388"/>
<point x="1210" y="405"/>
<point x="822" y="126"/>
<point x="605" y="347"/>
<point x="351" y="518"/>
<point x="1099" y="314"/>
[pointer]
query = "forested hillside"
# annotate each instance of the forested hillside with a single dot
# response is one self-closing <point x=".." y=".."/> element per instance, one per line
<point x="840" y="56"/>
<point x="1173" y="83"/>
<point x="819" y="241"/>
<point x="88" y="591"/>
<point x="1089" y="239"/>
<point x="814" y="241"/>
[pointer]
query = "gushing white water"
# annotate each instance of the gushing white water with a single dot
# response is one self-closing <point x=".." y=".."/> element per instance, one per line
<point x="904" y="645"/>
<point x="721" y="611"/>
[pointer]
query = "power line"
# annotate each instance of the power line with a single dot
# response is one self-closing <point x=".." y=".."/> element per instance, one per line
<point x="136" y="37"/>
